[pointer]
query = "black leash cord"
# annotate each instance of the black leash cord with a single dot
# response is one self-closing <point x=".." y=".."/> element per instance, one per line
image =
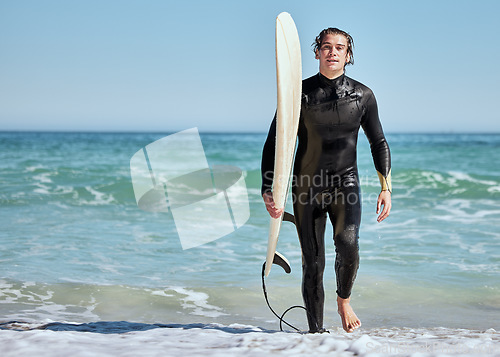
<point x="281" y="318"/>
<point x="281" y="261"/>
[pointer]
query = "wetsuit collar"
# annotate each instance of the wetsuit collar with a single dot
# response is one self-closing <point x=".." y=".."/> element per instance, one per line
<point x="336" y="82"/>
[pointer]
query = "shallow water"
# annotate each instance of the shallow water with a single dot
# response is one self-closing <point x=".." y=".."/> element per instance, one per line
<point x="75" y="247"/>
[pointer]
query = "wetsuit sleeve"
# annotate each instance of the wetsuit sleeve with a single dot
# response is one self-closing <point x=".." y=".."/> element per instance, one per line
<point x="378" y="144"/>
<point x="267" y="164"/>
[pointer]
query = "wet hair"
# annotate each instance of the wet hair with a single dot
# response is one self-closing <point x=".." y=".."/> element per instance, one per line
<point x="335" y="31"/>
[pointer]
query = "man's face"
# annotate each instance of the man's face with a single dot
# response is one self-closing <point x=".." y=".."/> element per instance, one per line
<point x="332" y="55"/>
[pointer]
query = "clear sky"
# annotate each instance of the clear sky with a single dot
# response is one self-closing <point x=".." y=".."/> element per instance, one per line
<point x="119" y="65"/>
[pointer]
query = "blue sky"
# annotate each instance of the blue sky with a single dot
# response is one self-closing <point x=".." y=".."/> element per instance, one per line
<point x="171" y="65"/>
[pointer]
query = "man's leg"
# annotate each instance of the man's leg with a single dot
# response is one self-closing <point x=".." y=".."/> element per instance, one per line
<point x="345" y="215"/>
<point x="310" y="221"/>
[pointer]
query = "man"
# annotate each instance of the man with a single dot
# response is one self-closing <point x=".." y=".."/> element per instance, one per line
<point x="325" y="176"/>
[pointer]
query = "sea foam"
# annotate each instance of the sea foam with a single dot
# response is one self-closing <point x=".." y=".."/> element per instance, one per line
<point x="132" y="339"/>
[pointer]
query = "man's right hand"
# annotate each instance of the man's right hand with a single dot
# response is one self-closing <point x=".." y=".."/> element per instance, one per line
<point x="273" y="211"/>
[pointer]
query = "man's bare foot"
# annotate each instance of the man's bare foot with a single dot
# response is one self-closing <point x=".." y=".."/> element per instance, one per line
<point x="350" y="321"/>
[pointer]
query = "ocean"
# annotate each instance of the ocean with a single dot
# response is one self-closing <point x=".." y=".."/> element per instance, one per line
<point x="84" y="269"/>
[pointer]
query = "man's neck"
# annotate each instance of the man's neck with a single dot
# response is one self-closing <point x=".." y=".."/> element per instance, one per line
<point x="332" y="74"/>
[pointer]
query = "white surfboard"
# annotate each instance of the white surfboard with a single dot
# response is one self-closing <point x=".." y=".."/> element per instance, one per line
<point x="289" y="80"/>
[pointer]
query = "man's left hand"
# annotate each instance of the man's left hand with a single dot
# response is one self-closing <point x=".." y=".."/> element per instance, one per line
<point x="384" y="199"/>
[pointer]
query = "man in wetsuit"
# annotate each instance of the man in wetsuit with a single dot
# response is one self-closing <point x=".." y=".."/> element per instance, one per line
<point x="325" y="176"/>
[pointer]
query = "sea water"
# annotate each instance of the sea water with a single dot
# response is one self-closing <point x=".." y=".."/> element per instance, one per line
<point x="77" y="254"/>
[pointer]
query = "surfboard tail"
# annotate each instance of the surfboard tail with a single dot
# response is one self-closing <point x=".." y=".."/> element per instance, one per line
<point x="274" y="228"/>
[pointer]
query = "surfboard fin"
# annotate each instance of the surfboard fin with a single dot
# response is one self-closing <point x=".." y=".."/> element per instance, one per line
<point x="288" y="217"/>
<point x="279" y="259"/>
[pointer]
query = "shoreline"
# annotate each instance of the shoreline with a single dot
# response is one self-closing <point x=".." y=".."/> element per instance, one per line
<point x="122" y="338"/>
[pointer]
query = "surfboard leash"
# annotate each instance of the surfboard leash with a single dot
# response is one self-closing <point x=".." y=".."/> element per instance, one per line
<point x="282" y="262"/>
<point x="281" y="318"/>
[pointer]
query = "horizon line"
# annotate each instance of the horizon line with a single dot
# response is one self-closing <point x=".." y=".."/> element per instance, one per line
<point x="89" y="131"/>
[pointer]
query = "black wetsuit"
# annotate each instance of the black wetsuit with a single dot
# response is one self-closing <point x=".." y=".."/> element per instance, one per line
<point x="325" y="179"/>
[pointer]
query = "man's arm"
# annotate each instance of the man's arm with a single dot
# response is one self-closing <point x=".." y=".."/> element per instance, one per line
<point x="267" y="163"/>
<point x="267" y="171"/>
<point x="380" y="153"/>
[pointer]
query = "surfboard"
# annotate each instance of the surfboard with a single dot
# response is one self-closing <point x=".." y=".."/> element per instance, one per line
<point x="289" y="84"/>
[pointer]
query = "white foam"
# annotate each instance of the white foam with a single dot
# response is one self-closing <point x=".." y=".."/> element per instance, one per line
<point x="44" y="177"/>
<point x="465" y="177"/>
<point x="466" y="211"/>
<point x="62" y="190"/>
<point x="197" y="302"/>
<point x="33" y="168"/>
<point x="363" y="345"/>
<point x="132" y="339"/>
<point x="494" y="189"/>
<point x="160" y="293"/>
<point x="479" y="268"/>
<point x="42" y="189"/>
<point x="100" y="198"/>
